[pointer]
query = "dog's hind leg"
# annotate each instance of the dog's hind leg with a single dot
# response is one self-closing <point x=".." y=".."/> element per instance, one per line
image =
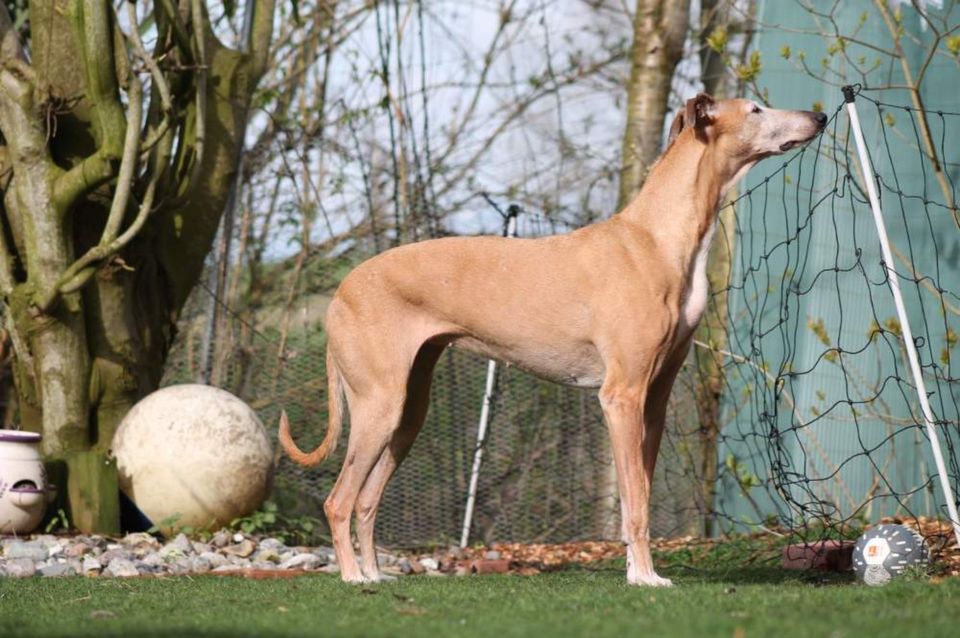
<point x="373" y="421"/>
<point x="414" y="413"/>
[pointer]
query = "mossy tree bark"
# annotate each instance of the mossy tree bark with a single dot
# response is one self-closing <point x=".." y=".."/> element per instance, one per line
<point x="105" y="227"/>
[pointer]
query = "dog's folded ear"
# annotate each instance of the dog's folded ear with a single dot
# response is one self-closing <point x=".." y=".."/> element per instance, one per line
<point x="675" y="128"/>
<point x="699" y="113"/>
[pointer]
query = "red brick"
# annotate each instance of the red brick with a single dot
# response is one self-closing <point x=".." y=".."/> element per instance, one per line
<point x="834" y="556"/>
<point x="491" y="566"/>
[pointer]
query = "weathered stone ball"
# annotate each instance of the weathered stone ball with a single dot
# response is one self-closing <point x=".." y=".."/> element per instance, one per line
<point x="193" y="455"/>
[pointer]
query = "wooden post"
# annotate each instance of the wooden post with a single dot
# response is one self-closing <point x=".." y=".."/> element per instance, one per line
<point x="87" y="491"/>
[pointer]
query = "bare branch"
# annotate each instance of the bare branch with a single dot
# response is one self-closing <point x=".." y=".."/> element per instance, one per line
<point x="159" y="80"/>
<point x="917" y="99"/>
<point x="200" y="28"/>
<point x="259" y="43"/>
<point x="169" y="16"/>
<point x="160" y="83"/>
<point x="92" y="24"/>
<point x="79" y="272"/>
<point x="488" y="59"/>
<point x="109" y="243"/>
<point x="10" y="46"/>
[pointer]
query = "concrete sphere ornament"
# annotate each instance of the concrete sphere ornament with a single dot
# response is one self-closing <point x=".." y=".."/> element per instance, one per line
<point x="886" y="551"/>
<point x="193" y="455"/>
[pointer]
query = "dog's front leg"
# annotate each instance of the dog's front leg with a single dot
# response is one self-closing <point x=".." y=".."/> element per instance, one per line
<point x="623" y="406"/>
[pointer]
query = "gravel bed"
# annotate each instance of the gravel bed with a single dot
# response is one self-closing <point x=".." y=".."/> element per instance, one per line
<point x="141" y="554"/>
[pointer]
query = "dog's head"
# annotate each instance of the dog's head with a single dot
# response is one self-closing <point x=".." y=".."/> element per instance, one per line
<point x="746" y="129"/>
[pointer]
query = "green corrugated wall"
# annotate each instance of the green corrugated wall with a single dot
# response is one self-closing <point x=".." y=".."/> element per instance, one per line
<point x="785" y="282"/>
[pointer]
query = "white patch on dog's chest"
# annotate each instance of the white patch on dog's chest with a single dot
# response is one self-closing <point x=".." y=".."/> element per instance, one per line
<point x="695" y="295"/>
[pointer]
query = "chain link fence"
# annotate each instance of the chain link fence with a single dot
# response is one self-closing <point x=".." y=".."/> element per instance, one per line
<point x="793" y="412"/>
<point x="546" y="476"/>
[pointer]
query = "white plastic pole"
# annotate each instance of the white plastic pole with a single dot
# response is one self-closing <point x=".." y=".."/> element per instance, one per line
<point x="482" y="428"/>
<point x="869" y="180"/>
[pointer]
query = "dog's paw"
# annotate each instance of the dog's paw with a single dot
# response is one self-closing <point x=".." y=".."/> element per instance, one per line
<point x="649" y="580"/>
<point x="377" y="577"/>
<point x="353" y="579"/>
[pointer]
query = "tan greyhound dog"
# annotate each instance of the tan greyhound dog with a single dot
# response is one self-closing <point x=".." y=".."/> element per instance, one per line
<point x="610" y="306"/>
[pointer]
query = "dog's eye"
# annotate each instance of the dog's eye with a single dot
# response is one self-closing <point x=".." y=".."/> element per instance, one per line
<point x="756" y="109"/>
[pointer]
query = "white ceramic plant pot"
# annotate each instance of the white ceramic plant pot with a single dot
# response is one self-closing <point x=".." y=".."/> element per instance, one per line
<point x="23" y="482"/>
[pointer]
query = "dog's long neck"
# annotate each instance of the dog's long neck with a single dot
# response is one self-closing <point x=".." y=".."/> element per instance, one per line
<point x="678" y="202"/>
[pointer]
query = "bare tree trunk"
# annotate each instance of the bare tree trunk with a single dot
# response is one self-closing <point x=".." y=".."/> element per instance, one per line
<point x="718" y="81"/>
<point x="56" y="339"/>
<point x="709" y="384"/>
<point x="659" y="31"/>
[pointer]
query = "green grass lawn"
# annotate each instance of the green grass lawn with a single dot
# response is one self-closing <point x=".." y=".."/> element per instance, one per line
<point x="576" y="602"/>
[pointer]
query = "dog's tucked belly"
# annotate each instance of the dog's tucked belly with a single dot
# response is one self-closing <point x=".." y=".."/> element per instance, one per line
<point x="578" y="366"/>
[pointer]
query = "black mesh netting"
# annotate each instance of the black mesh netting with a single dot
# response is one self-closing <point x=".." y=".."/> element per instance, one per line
<point x="796" y="408"/>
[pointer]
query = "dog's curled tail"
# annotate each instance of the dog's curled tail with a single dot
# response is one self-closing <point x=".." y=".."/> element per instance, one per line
<point x="329" y="443"/>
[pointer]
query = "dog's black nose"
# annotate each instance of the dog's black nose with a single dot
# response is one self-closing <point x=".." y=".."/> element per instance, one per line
<point x="821" y="118"/>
